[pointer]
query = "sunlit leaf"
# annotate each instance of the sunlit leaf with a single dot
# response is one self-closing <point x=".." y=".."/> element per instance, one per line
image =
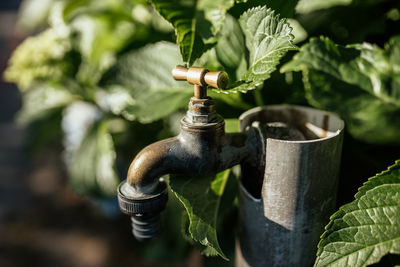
<point x="195" y="21"/>
<point x="201" y="198"/>
<point x="365" y="230"/>
<point x="360" y="82"/>
<point x="267" y="38"/>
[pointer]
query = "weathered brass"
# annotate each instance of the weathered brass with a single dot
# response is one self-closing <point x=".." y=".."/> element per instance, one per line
<point x="196" y="75"/>
<point x="200" y="78"/>
<point x="180" y="73"/>
<point x="218" y="79"/>
<point x="201" y="149"/>
<point x="200" y="92"/>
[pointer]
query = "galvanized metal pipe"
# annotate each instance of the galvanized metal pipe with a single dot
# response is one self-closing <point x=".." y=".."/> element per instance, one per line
<point x="298" y="192"/>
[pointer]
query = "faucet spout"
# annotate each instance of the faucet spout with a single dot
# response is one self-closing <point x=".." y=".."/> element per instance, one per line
<point x="199" y="150"/>
<point x="151" y="163"/>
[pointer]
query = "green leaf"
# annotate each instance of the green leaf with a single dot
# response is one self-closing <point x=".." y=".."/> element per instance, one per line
<point x="307" y="6"/>
<point x="91" y="166"/>
<point x="201" y="198"/>
<point x="231" y="125"/>
<point x="42" y="99"/>
<point x="146" y="75"/>
<point x="230" y="49"/>
<point x="360" y="82"/>
<point x="299" y="33"/>
<point x="99" y="38"/>
<point x="368" y="228"/>
<point x="268" y="38"/>
<point x="97" y="29"/>
<point x="158" y="104"/>
<point x="195" y="21"/>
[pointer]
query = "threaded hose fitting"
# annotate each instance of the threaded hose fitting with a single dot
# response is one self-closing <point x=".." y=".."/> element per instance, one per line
<point x="146" y="227"/>
<point x="144" y="210"/>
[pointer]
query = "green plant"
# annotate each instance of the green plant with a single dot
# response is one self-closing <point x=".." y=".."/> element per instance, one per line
<point x="103" y="67"/>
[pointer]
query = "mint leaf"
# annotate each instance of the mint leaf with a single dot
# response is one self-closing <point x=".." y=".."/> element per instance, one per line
<point x="146" y="75"/>
<point x="195" y="23"/>
<point x="368" y="228"/>
<point x="360" y="82"/>
<point x="201" y="198"/>
<point x="267" y="38"/>
<point x="91" y="166"/>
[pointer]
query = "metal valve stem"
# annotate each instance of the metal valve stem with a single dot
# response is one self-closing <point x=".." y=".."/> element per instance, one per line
<point x="200" y="78"/>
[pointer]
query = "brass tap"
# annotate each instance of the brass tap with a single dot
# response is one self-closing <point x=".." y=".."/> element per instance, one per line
<point x="201" y="149"/>
<point x="200" y="78"/>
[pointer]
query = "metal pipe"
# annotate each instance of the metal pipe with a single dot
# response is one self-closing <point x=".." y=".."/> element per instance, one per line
<point x="197" y="151"/>
<point x="298" y="192"/>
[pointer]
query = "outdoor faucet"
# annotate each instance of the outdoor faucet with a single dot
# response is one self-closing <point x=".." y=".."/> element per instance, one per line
<point x="201" y="149"/>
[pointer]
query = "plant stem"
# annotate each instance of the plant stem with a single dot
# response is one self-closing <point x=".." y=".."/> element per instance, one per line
<point x="258" y="98"/>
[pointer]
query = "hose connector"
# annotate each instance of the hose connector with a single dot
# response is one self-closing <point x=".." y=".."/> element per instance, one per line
<point x="144" y="209"/>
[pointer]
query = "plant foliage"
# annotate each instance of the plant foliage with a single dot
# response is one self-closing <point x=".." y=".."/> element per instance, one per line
<point x="201" y="199"/>
<point x="196" y="23"/>
<point x="99" y="72"/>
<point x="360" y="82"/>
<point x="267" y="39"/>
<point x="362" y="232"/>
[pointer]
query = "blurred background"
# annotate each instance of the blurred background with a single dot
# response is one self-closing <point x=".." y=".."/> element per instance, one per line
<point x="68" y="133"/>
<point x="42" y="221"/>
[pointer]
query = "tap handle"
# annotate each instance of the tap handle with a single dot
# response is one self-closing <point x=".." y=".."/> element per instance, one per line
<point x="201" y="76"/>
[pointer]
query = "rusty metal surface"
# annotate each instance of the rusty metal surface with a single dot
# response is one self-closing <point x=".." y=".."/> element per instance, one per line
<point x="298" y="192"/>
<point x="201" y="111"/>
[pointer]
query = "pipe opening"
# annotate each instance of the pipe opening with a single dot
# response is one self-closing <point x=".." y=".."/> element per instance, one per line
<point x="292" y="124"/>
<point x="312" y="123"/>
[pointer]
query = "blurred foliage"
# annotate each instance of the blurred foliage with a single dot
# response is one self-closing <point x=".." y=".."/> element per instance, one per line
<point x="359" y="82"/>
<point x="96" y="75"/>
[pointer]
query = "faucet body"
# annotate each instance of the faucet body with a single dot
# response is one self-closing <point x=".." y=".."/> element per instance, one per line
<point x="201" y="149"/>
